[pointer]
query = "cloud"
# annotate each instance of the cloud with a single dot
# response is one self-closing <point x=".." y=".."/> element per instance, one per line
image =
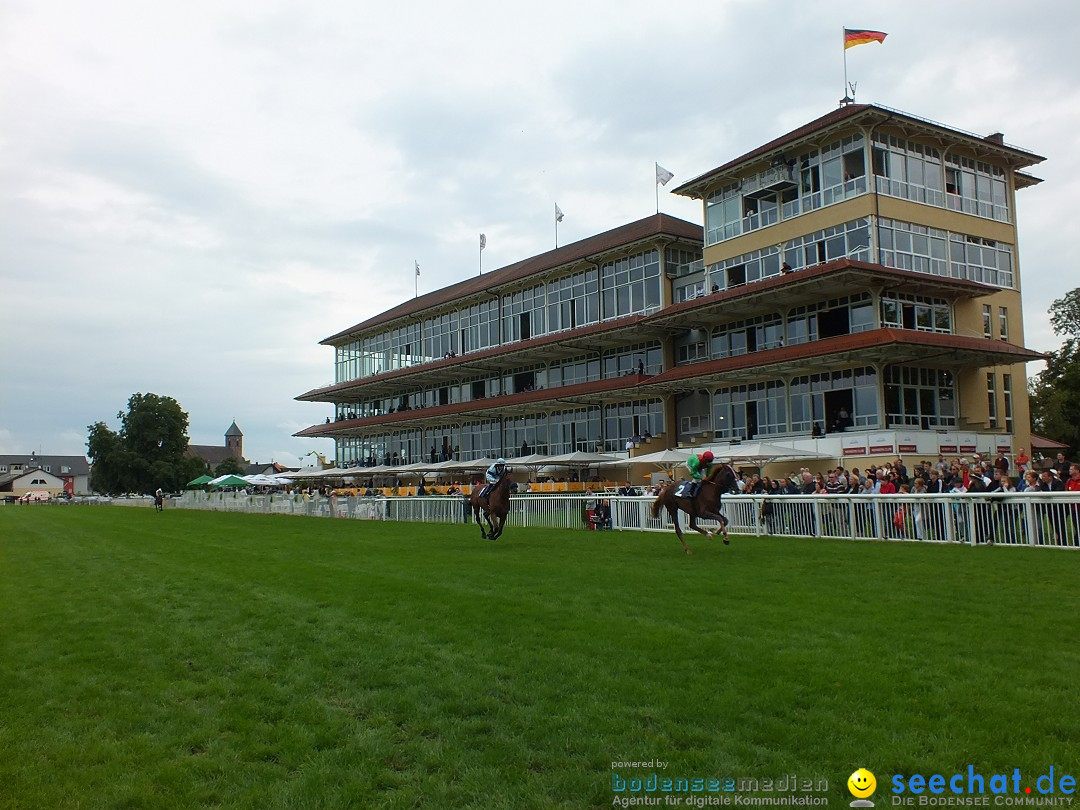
<point x="195" y="196"/>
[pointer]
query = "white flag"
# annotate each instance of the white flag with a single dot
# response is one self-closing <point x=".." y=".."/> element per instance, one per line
<point x="662" y="175"/>
<point x="558" y="213"/>
<point x="418" y="268"/>
<point x="483" y="241"/>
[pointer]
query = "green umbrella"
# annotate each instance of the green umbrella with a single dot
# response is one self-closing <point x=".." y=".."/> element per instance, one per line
<point x="230" y="481"/>
<point x="198" y="482"/>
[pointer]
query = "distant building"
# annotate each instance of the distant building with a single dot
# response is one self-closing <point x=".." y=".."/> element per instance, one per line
<point x="214" y="455"/>
<point x="33" y="479"/>
<point x="72" y="471"/>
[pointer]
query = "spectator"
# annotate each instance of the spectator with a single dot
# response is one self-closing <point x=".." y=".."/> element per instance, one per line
<point x="1062" y="467"/>
<point x="602" y="517"/>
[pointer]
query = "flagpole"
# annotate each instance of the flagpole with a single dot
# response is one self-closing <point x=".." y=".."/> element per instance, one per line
<point x="415" y="280"/>
<point x="656" y="184"/>
<point x="556" y="225"/>
<point x="843" y="45"/>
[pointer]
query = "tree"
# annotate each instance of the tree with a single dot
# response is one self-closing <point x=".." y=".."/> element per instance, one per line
<point x="229" y="466"/>
<point x="148" y="450"/>
<point x="1055" y="391"/>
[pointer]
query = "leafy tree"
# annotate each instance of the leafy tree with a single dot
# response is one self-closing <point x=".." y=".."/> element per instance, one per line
<point x="229" y="466"/>
<point x="1055" y="391"/>
<point x="148" y="450"/>
<point x="191" y="467"/>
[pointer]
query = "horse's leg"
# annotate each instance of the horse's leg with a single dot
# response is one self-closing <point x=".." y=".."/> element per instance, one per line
<point x="476" y="515"/>
<point x="723" y="521"/>
<point x="674" y="512"/>
<point x="696" y="528"/>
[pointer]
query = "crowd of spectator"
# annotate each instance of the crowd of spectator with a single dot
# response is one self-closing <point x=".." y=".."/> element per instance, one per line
<point x="962" y="474"/>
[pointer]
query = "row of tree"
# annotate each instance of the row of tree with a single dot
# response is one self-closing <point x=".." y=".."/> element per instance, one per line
<point x="1055" y="391"/>
<point x="149" y="450"/>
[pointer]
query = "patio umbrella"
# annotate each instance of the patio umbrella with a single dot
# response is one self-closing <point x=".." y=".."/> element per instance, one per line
<point x="579" y="459"/>
<point x="229" y="481"/>
<point x="761" y="453"/>
<point x="661" y="458"/>
<point x="198" y="482"/>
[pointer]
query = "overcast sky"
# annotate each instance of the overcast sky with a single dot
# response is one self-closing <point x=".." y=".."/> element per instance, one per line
<point x="193" y="195"/>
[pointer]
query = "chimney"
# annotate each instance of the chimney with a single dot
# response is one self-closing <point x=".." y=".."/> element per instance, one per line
<point x="996" y="137"/>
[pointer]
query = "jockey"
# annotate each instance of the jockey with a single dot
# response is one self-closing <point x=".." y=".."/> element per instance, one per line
<point x="699" y="466"/>
<point x="493" y="475"/>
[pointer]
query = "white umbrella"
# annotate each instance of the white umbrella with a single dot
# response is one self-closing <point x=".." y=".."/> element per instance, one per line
<point x="761" y="453"/>
<point x="661" y="458"/>
<point x="578" y="459"/>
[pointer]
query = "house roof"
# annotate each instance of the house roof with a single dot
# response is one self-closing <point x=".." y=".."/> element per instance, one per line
<point x="589" y="249"/>
<point x="864" y="114"/>
<point x="78" y="464"/>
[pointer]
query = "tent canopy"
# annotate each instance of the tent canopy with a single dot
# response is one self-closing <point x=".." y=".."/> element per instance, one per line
<point x="198" y="482"/>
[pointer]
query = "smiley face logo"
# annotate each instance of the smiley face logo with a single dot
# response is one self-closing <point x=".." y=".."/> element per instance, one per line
<point x="861" y="783"/>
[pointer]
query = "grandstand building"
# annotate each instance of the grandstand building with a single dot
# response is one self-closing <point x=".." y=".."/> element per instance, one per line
<point x="855" y="290"/>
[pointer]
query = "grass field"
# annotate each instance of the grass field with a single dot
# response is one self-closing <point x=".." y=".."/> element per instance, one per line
<point x="191" y="659"/>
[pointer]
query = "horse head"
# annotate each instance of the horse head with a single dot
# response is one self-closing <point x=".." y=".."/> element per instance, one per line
<point x="724" y="477"/>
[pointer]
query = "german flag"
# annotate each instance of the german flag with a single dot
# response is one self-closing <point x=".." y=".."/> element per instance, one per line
<point x="860" y="36"/>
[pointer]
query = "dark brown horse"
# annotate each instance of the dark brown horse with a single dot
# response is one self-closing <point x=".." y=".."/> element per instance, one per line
<point x="704" y="504"/>
<point x="495" y="506"/>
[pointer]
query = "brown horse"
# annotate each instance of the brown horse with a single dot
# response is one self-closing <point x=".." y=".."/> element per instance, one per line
<point x="496" y="506"/>
<point x="704" y="504"/>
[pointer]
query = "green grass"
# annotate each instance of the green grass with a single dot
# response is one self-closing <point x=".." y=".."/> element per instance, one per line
<point x="190" y="659"/>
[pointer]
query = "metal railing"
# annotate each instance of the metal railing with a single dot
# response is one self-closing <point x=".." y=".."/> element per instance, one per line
<point x="1028" y="519"/>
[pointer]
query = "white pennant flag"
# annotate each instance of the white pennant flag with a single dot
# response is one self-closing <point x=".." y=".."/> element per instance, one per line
<point x="483" y="241"/>
<point x="558" y="213"/>
<point x="418" y="268"/>
<point x="662" y="175"/>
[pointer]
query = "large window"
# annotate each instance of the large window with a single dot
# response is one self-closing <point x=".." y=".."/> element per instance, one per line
<point x="907" y="170"/>
<point x="631" y="286"/>
<point x="991" y="399"/>
<point x="982" y="260"/>
<point x="524" y="314"/>
<point x="644" y="357"/>
<point x="628" y="419"/>
<point x="976" y="188"/>
<point x="931" y="250"/>
<point x="572" y="301"/>
<point x="834" y="400"/>
<point x="1006" y="390"/>
<point x="745" y="411"/>
<point x="579" y="429"/>
<point x="913" y="171"/>
<point x="903" y="311"/>
<point x="920" y="397"/>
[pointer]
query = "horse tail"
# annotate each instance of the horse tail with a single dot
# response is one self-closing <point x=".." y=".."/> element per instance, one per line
<point x="658" y="504"/>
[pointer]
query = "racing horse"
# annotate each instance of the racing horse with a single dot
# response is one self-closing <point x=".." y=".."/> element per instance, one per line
<point x="495" y="506"/>
<point x="704" y="504"/>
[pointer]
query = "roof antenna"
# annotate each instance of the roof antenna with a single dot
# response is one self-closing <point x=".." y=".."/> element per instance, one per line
<point x="849" y="99"/>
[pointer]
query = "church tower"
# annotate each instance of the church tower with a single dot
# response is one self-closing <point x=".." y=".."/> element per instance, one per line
<point x="234" y="441"/>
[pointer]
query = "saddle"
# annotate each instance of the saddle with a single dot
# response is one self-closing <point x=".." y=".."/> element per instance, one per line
<point x="687" y="489"/>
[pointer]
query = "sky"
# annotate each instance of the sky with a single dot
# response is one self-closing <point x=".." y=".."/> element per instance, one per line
<point x="193" y="195"/>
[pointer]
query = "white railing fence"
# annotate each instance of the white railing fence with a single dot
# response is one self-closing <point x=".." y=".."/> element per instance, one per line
<point x="1028" y="519"/>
